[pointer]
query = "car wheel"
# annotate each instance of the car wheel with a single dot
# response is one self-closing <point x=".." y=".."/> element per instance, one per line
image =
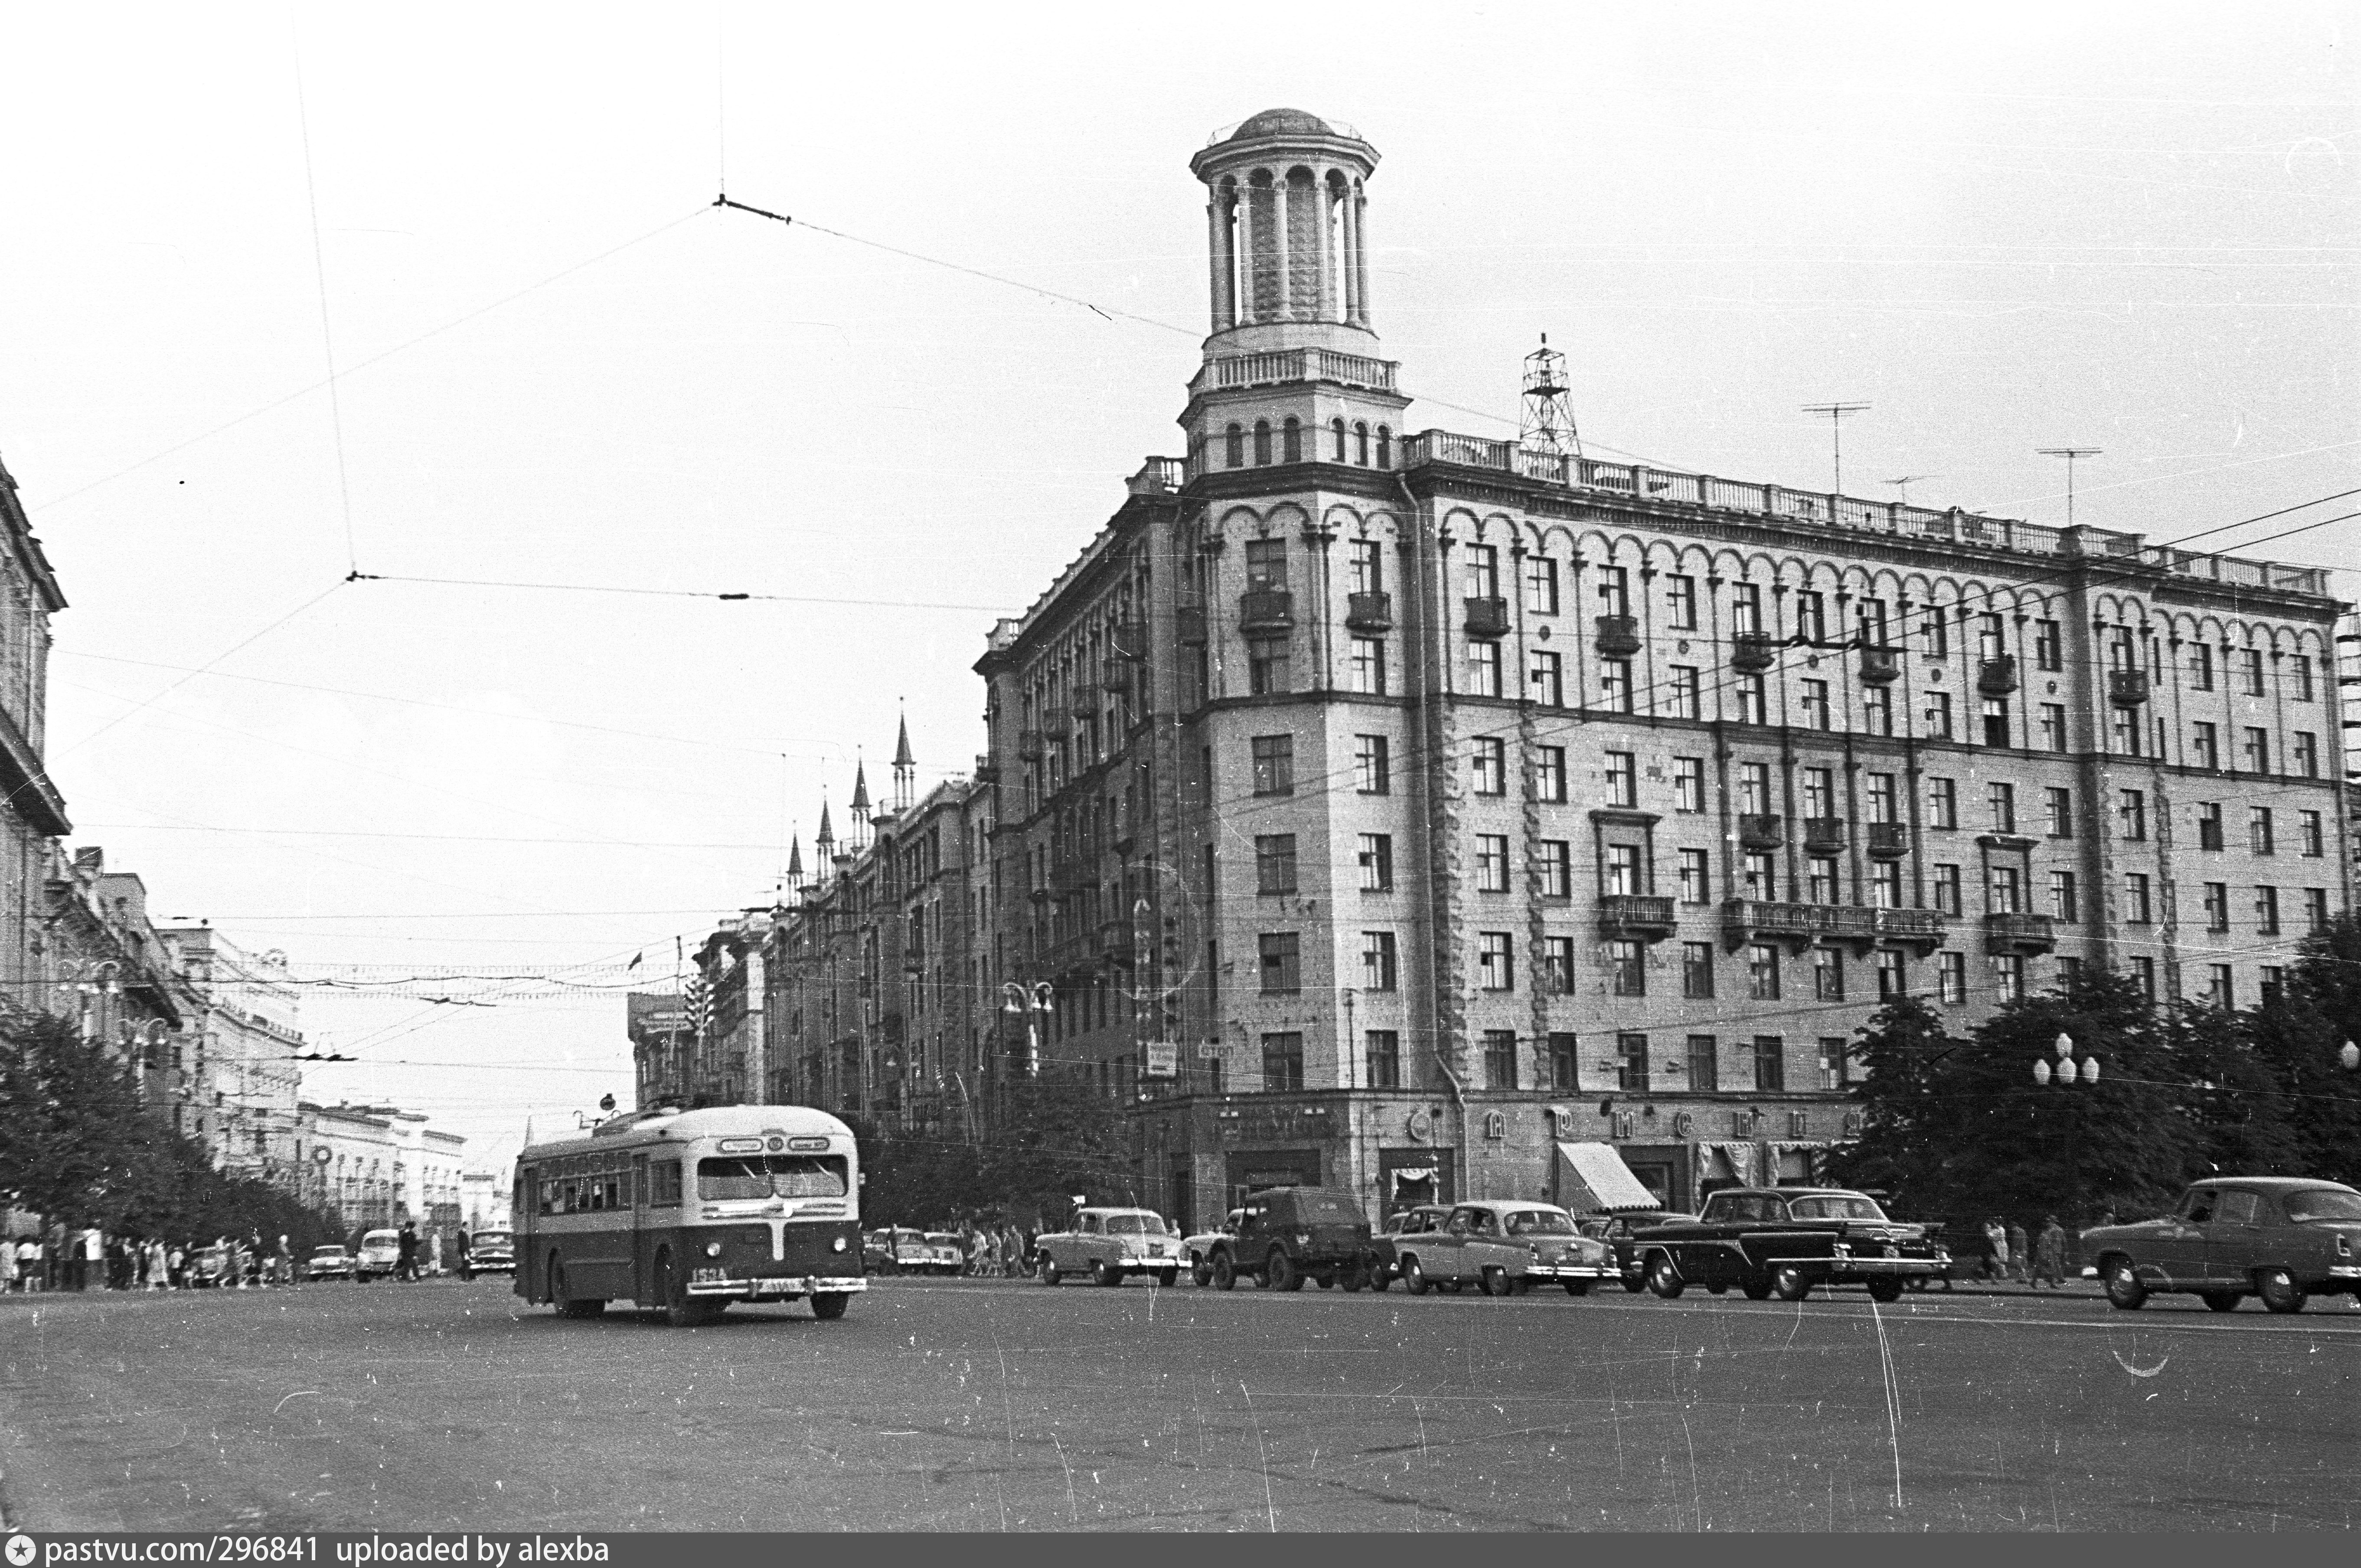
<point x="1375" y="1277"/>
<point x="1717" y="1290"/>
<point x="1280" y="1272"/>
<point x="1048" y="1272"/>
<point x="1790" y="1283"/>
<point x="1498" y="1282"/>
<point x="1327" y="1281"/>
<point x="1225" y="1272"/>
<point x="1883" y="1290"/>
<point x="2222" y="1300"/>
<point x="1664" y="1278"/>
<point x="1105" y="1273"/>
<point x="1577" y="1287"/>
<point x="829" y="1305"/>
<point x="2125" y="1291"/>
<point x="1167" y="1279"/>
<point x="1201" y="1271"/>
<point x="1415" y="1279"/>
<point x="1352" y="1279"/>
<point x="1757" y="1287"/>
<point x="671" y="1299"/>
<point x="2279" y="1291"/>
<point x="1635" y="1281"/>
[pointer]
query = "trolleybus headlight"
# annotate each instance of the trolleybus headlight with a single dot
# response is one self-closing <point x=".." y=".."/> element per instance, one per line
<point x="713" y="1249"/>
<point x="836" y="1246"/>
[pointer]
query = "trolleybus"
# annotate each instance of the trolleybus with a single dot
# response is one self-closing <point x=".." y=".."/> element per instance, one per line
<point x="684" y="1211"/>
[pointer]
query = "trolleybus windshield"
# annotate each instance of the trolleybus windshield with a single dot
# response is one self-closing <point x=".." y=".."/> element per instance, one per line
<point x="770" y="1176"/>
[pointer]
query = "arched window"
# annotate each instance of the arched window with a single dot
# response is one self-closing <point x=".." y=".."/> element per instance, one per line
<point x="1290" y="441"/>
<point x="1385" y="447"/>
<point x="1262" y="443"/>
<point x="1361" y="445"/>
<point x="1234" y="440"/>
<point x="1336" y="428"/>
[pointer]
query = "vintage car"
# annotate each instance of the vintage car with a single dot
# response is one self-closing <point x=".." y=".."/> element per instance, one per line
<point x="1285" y="1236"/>
<point x="1420" y="1219"/>
<point x="491" y="1252"/>
<point x="2283" y="1238"/>
<point x="1786" y="1241"/>
<point x="906" y="1252"/>
<point x="207" y="1267"/>
<point x="1617" y="1229"/>
<point x="1108" y="1243"/>
<point x="379" y="1256"/>
<point x="947" y="1253"/>
<point x="1197" y="1251"/>
<point x="1504" y="1245"/>
<point x="876" y="1251"/>
<point x="328" y="1263"/>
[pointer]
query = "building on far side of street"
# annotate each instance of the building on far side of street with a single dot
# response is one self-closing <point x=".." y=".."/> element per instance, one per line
<point x="241" y="1043"/>
<point x="377" y="1166"/>
<point x="32" y="812"/>
<point x="484" y="1200"/>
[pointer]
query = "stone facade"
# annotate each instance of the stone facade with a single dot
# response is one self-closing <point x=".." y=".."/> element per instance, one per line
<point x="243" y="1089"/>
<point x="32" y="812"/>
<point x="377" y="1166"/>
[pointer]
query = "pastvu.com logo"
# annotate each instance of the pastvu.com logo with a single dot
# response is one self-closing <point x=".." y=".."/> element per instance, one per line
<point x="21" y="1550"/>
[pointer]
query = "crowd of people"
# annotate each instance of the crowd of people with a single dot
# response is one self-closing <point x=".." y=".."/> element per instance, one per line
<point x="2010" y="1255"/>
<point x="87" y="1258"/>
<point x="1003" y="1252"/>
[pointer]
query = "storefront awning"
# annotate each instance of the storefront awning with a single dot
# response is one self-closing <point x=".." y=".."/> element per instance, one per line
<point x="1593" y="1179"/>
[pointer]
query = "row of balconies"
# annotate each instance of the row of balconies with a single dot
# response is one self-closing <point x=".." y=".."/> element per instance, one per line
<point x="1887" y="841"/>
<point x="1745" y="920"/>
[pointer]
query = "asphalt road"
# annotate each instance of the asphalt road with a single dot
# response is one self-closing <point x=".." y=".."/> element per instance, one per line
<point x="967" y="1405"/>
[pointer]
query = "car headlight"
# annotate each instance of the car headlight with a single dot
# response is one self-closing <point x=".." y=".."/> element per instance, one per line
<point x="713" y="1249"/>
<point x="836" y="1246"/>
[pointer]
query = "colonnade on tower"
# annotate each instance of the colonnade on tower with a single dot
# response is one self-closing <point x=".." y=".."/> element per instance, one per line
<point x="1288" y="223"/>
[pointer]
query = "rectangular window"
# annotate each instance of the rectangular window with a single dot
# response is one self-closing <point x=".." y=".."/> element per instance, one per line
<point x="1282" y="963"/>
<point x="1694" y="886"/>
<point x="2001" y="798"/>
<point x="2307" y="754"/>
<point x="1753" y="700"/>
<point x="2069" y="972"/>
<point x="1770" y="1064"/>
<point x="1832" y="1058"/>
<point x="1549" y="773"/>
<point x="1627" y="968"/>
<point x="2201" y="667"/>
<point x="1746" y="609"/>
<point x="1942" y="804"/>
<point x="1704" y="1063"/>
<point x="1541" y="584"/>
<point x="2260" y="837"/>
<point x="2204" y="745"/>
<point x="1274" y="764"/>
<point x="1892" y="981"/>
<point x="2048" y="647"/>
<point x="1372" y="765"/>
<point x="1811" y="616"/>
<point x="1557" y="965"/>
<point x="1755" y="789"/>
<point x="2008" y="976"/>
<point x="1377" y="971"/>
<point x="1615" y="684"/>
<point x="2217" y="907"/>
<point x="2003" y="893"/>
<point x="1689" y="783"/>
<point x="1947" y="890"/>
<point x="1820" y="880"/>
<point x="2257" y="751"/>
<point x="1995" y="716"/>
<point x="1483" y="571"/>
<point x="1991" y="642"/>
<point x="1688" y="692"/>
<point x="2266" y="910"/>
<point x="1938" y="716"/>
<point x="1819" y="794"/>
<point x="1623" y="870"/>
<point x="1632" y="1063"/>
<point x="2053" y="727"/>
<point x="1680" y="599"/>
<point x="1383" y="1049"/>
<point x="1491" y="758"/>
<point x="1369" y="566"/>
<point x="1377" y="859"/>
<point x="1761" y="877"/>
<point x="1369" y="666"/>
<point x="1885" y="798"/>
<point x="1268" y="671"/>
<point x="1275" y="862"/>
<point x="2209" y="826"/>
<point x="1557" y="867"/>
<point x="2131" y="811"/>
<point x="1816" y="705"/>
<point x="1622" y="779"/>
<point x="2273" y="983"/>
<point x="1282" y="1061"/>
<point x="1886" y="884"/>
<point x="1496" y="961"/>
<point x="1500" y="1059"/>
<point x="1936" y="634"/>
<point x="1267" y="565"/>
<point x="2135" y="900"/>
<point x="1828" y="975"/>
<point x="1491" y="862"/>
<point x="1877" y="710"/>
<point x="2220" y="991"/>
<point x="2307" y="832"/>
<point x="1869" y="622"/>
<point x="1549" y="680"/>
<point x="1565" y="1065"/>
<point x="2058" y="812"/>
<point x="1763" y="972"/>
<point x="2062" y="902"/>
<point x="1696" y="971"/>
<point x="2315" y="909"/>
<point x="1484" y="669"/>
<point x="2144" y="976"/>
<point x="1614" y="590"/>
<point x="2250" y="670"/>
<point x="1951" y="978"/>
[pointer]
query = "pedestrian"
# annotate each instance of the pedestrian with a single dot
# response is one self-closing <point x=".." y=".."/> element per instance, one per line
<point x="466" y="1249"/>
<point x="434" y="1252"/>
<point x="176" y="1262"/>
<point x="1996" y="1249"/>
<point x="405" y="1265"/>
<point x="2050" y="1255"/>
<point x="7" y="1266"/>
<point x="94" y="1259"/>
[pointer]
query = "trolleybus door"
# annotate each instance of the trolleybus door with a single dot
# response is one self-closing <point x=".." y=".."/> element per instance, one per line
<point x="640" y="1247"/>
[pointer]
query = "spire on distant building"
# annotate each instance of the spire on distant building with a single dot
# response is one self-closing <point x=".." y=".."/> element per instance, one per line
<point x="906" y="768"/>
<point x="823" y="842"/>
<point x="795" y="861"/>
<point x="859" y="804"/>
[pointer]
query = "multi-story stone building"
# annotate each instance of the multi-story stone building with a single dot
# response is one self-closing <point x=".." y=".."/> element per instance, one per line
<point x="237" y="1050"/>
<point x="1447" y="798"/>
<point x="663" y="1039"/>
<point x="103" y="968"/>
<point x="377" y="1166"/>
<point x="32" y="812"/>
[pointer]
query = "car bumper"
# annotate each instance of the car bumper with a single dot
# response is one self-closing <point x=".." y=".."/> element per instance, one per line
<point x="1886" y="1267"/>
<point x="494" y="1265"/>
<point x="778" y="1286"/>
<point x="1572" y="1271"/>
<point x="2345" y="1271"/>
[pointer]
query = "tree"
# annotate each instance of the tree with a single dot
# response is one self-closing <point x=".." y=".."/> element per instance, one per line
<point x="2237" y="1103"/>
<point x="70" y="1126"/>
<point x="1050" y="1138"/>
<point x="2303" y="1031"/>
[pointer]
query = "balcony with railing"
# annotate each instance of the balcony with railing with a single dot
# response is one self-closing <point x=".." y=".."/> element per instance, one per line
<point x="1825" y="835"/>
<point x="1888" y="841"/>
<point x="1997" y="677"/>
<point x="1642" y="915"/>
<point x="2127" y="688"/>
<point x="1752" y="652"/>
<point x="1746" y="920"/>
<point x="1370" y="612"/>
<point x="1619" y="636"/>
<point x="1279" y="366"/>
<point x="1159" y="476"/>
<point x="1761" y="830"/>
<point x="1487" y="617"/>
<point x="1266" y="609"/>
<point x="2020" y="933"/>
<point x="1879" y="666"/>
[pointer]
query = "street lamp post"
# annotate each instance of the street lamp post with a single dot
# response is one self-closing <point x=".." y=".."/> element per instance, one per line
<point x="2067" y="1072"/>
<point x="1031" y="1002"/>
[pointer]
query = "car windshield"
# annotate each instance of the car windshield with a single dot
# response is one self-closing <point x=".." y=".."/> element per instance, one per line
<point x="491" y="1238"/>
<point x="381" y="1238"/>
<point x="2323" y="1203"/>
<point x="942" y="1238"/>
<point x="1540" y="1222"/>
<point x="1135" y="1225"/>
<point x="328" y="1251"/>
<point x="771" y="1176"/>
<point x="1842" y="1207"/>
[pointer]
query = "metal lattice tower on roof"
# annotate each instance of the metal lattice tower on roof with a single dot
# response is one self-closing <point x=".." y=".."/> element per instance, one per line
<point x="1548" y="424"/>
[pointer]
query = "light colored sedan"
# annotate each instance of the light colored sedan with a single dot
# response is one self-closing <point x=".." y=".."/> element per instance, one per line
<point x="1504" y="1246"/>
<point x="1108" y="1243"/>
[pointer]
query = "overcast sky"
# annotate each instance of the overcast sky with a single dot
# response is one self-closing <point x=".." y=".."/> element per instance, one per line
<point x="2130" y="227"/>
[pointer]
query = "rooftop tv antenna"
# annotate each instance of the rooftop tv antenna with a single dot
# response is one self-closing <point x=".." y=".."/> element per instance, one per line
<point x="1549" y="407"/>
<point x="2070" y="453"/>
<point x="1837" y="413"/>
<point x="1904" y="482"/>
